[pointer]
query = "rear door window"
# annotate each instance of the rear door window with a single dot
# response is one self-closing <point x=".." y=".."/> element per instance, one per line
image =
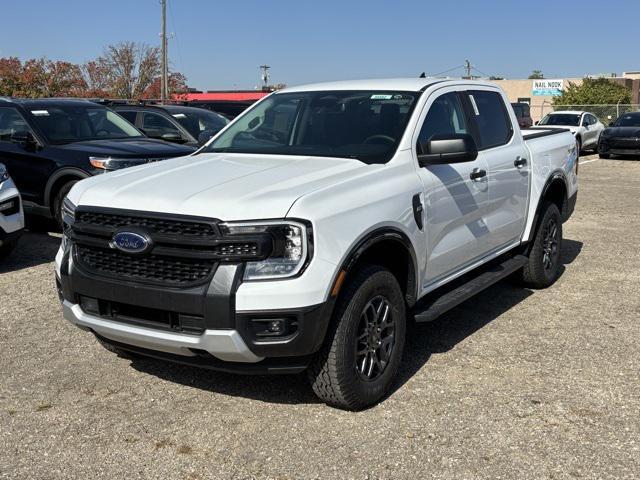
<point x="492" y="120"/>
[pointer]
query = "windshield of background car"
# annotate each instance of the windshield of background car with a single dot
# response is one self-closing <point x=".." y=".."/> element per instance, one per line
<point x="197" y="122"/>
<point x="628" y="121"/>
<point x="566" y="119"/>
<point x="68" y="124"/>
<point x="363" y="125"/>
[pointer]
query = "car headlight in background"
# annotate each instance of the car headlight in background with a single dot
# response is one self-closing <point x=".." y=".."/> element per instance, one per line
<point x="290" y="252"/>
<point x="110" y="163"/>
<point x="4" y="174"/>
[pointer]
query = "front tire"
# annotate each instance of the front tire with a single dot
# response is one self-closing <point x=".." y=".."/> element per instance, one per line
<point x="543" y="267"/>
<point x="359" y="361"/>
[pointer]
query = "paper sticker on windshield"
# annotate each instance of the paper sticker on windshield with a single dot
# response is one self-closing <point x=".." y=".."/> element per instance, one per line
<point x="379" y="96"/>
<point x="179" y="115"/>
<point x="40" y="113"/>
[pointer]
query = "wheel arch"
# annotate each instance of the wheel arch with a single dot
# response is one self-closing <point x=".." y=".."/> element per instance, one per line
<point x="59" y="178"/>
<point x="554" y="190"/>
<point x="399" y="258"/>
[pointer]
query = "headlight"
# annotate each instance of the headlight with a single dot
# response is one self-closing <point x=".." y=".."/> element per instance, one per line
<point x="4" y="174"/>
<point x="110" y="163"/>
<point x="290" y="252"/>
<point x="68" y="212"/>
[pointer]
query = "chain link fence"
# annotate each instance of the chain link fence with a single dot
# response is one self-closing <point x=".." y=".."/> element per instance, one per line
<point x="605" y="113"/>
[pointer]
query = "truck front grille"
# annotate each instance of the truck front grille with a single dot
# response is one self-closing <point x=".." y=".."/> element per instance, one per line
<point x="185" y="250"/>
<point x="162" y="226"/>
<point x="168" y="270"/>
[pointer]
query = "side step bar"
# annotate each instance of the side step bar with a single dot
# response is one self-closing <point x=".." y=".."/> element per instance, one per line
<point x="438" y="302"/>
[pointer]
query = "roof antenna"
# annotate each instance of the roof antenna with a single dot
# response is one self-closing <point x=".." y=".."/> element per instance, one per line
<point x="423" y="75"/>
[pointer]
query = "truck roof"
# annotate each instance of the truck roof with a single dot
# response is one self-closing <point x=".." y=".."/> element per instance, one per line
<point x="397" y="84"/>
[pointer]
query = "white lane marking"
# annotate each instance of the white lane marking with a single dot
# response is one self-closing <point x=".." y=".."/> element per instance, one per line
<point x="589" y="161"/>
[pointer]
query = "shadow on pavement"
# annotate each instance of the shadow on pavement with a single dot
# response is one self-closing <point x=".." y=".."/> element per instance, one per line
<point x="423" y="340"/>
<point x="32" y="249"/>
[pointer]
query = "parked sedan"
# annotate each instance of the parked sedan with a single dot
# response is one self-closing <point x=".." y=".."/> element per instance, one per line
<point x="622" y="137"/>
<point x="585" y="126"/>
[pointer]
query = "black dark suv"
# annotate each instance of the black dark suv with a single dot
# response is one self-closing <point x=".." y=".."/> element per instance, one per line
<point x="48" y="145"/>
<point x="173" y="123"/>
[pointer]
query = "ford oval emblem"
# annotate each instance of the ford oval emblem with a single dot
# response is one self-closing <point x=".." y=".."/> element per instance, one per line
<point x="130" y="242"/>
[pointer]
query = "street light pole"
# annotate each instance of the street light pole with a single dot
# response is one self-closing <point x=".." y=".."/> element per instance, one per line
<point x="164" y="75"/>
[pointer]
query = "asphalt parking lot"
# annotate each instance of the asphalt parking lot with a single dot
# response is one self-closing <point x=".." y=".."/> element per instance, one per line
<point x="512" y="384"/>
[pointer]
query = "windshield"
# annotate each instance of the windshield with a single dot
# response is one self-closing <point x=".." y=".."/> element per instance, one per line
<point x="364" y="125"/>
<point x="628" y="121"/>
<point x="196" y="122"/>
<point x="68" y="124"/>
<point x="566" y="119"/>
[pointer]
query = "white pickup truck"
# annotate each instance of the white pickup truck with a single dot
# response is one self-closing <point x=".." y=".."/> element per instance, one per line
<point x="309" y="231"/>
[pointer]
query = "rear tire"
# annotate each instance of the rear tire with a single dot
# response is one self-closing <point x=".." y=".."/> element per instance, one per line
<point x="59" y="200"/>
<point x="543" y="267"/>
<point x="358" y="363"/>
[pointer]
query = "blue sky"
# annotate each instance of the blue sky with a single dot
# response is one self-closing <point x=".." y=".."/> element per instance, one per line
<point x="220" y="44"/>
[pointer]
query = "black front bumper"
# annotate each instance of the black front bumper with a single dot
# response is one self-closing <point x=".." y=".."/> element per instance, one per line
<point x="195" y="309"/>
<point x="617" y="146"/>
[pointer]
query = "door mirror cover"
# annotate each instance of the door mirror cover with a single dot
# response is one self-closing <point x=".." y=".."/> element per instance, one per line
<point x="172" y="137"/>
<point x="448" y="148"/>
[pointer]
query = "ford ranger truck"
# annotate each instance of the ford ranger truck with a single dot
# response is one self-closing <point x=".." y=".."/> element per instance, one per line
<point x="310" y="230"/>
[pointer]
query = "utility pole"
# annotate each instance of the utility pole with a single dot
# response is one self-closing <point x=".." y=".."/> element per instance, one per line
<point x="265" y="75"/>
<point x="468" y="67"/>
<point x="164" y="75"/>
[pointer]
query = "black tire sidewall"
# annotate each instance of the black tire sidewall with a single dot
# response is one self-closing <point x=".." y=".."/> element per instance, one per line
<point x="382" y="283"/>
<point x="541" y="278"/>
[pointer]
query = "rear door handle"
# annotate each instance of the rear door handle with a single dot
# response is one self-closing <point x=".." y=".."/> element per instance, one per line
<point x="520" y="162"/>
<point x="477" y="173"/>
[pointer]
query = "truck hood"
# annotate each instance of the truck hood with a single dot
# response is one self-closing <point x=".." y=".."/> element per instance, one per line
<point x="129" y="148"/>
<point x="218" y="185"/>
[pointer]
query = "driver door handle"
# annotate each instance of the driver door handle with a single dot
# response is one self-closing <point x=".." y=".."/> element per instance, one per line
<point x="520" y="162"/>
<point x="477" y="173"/>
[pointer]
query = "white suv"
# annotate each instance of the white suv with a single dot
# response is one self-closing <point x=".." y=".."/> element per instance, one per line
<point x="584" y="126"/>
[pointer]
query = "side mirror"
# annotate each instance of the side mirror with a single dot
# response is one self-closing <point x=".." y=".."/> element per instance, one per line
<point x="536" y="122"/>
<point x="612" y="124"/>
<point x="450" y="148"/>
<point x="24" y="138"/>
<point x="206" y="135"/>
<point x="172" y="137"/>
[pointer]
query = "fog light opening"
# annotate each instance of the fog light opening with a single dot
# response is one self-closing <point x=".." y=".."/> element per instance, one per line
<point x="273" y="327"/>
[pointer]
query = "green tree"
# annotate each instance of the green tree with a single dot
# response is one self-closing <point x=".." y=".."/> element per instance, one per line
<point x="536" y="75"/>
<point x="594" y="91"/>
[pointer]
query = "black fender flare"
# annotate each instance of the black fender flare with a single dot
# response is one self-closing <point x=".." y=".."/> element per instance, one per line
<point x="557" y="176"/>
<point x="372" y="238"/>
<point x="57" y="175"/>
